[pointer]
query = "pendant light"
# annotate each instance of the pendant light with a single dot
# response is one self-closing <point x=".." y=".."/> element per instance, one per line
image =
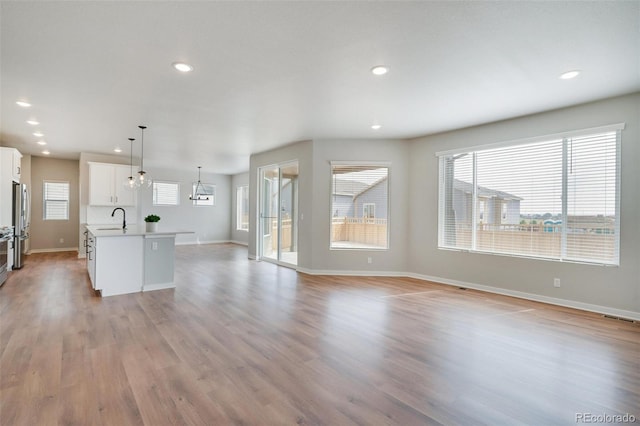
<point x="199" y="193"/>
<point x="144" y="180"/>
<point x="131" y="182"/>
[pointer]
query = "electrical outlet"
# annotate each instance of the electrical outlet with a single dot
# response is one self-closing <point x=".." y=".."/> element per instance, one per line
<point x="154" y="245"/>
<point x="61" y="240"/>
<point x="369" y="260"/>
<point x="556" y="282"/>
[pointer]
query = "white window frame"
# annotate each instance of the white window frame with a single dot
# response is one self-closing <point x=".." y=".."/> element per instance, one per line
<point x="208" y="187"/>
<point x="242" y="194"/>
<point x="44" y="199"/>
<point x="153" y="195"/>
<point x="331" y="216"/>
<point x="564" y="136"/>
<point x="364" y="210"/>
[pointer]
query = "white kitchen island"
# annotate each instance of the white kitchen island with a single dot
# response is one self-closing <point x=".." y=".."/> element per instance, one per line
<point x="132" y="260"/>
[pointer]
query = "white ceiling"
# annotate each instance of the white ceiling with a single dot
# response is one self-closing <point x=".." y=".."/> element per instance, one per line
<point x="271" y="73"/>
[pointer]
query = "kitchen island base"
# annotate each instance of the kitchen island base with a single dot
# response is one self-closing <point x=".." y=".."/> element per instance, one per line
<point x="130" y="261"/>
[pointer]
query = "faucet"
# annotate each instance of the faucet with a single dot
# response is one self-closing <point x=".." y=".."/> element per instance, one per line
<point x="124" y="216"/>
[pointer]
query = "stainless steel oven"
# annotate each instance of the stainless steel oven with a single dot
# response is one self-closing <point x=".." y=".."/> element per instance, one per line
<point x="4" y="257"/>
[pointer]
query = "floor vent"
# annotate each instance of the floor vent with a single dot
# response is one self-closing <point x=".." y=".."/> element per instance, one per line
<point x="618" y="318"/>
<point x="461" y="288"/>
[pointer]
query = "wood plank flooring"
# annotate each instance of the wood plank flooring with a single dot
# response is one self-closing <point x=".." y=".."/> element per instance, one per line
<point x="250" y="343"/>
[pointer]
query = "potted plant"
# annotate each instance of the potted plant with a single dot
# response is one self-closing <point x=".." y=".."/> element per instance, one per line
<point x="152" y="222"/>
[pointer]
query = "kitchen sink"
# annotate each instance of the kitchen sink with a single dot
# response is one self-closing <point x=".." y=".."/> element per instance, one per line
<point x="109" y="229"/>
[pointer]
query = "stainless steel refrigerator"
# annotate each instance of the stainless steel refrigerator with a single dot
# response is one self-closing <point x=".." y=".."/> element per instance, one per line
<point x="21" y="206"/>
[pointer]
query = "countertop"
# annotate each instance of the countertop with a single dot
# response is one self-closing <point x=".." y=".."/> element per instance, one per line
<point x="131" y="231"/>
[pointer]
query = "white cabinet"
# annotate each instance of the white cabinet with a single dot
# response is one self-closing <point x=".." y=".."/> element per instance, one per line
<point x="115" y="264"/>
<point x="106" y="185"/>
<point x="10" y="159"/>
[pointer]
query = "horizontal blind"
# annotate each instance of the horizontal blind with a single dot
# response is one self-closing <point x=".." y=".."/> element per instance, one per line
<point x="456" y="198"/>
<point x="521" y="188"/>
<point x="359" y="206"/>
<point x="591" y="198"/>
<point x="166" y="193"/>
<point x="552" y="199"/>
<point x="56" y="200"/>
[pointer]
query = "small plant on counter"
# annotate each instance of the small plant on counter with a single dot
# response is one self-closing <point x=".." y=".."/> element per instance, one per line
<point x="152" y="218"/>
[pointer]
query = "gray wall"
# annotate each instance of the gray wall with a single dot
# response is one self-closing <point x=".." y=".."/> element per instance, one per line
<point x="46" y="235"/>
<point x="413" y="212"/>
<point x="615" y="287"/>
<point x="241" y="237"/>
<point x="396" y="153"/>
<point x="209" y="223"/>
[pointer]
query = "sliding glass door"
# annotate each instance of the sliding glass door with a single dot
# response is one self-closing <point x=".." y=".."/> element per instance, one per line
<point x="279" y="213"/>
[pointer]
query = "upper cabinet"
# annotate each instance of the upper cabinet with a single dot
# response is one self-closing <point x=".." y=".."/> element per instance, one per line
<point x="11" y="160"/>
<point x="16" y="158"/>
<point x="106" y="185"/>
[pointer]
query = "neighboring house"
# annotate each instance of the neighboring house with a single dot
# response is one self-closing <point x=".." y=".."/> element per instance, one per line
<point x="358" y="199"/>
<point x="494" y="207"/>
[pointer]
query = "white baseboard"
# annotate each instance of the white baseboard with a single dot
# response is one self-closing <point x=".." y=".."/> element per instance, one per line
<point x="160" y="286"/>
<point x="52" y="250"/>
<point x="351" y="273"/>
<point x="240" y="243"/>
<point x="496" y="290"/>
<point x="531" y="296"/>
<point x="200" y="242"/>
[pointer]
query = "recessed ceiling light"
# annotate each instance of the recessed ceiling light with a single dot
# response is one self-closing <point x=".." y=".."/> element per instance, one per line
<point x="182" y="67"/>
<point x="38" y="134"/>
<point x="46" y="152"/>
<point x="33" y="122"/>
<point x="23" y="104"/>
<point x="117" y="150"/>
<point x="570" y="74"/>
<point x="379" y="70"/>
<point x="43" y="143"/>
<point x="376" y="127"/>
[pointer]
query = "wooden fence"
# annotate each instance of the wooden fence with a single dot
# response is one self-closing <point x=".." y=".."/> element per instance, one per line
<point x="542" y="240"/>
<point x="369" y="231"/>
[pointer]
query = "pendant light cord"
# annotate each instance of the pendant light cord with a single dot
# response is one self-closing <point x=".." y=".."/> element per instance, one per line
<point x="142" y="148"/>
<point x="131" y="157"/>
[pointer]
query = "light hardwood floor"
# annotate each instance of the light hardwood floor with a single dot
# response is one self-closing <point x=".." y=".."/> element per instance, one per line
<point x="245" y="342"/>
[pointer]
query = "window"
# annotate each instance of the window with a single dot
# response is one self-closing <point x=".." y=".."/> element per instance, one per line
<point x="359" y="206"/>
<point x="556" y="197"/>
<point x="166" y="193"/>
<point x="242" y="208"/>
<point x="56" y="200"/>
<point x="206" y="194"/>
<point x="369" y="210"/>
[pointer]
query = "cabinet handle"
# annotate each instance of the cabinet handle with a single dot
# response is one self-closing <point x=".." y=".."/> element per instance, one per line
<point x="111" y="199"/>
<point x="18" y="169"/>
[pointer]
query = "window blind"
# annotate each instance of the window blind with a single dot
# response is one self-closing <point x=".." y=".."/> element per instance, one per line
<point x="56" y="200"/>
<point x="359" y="206"/>
<point x="555" y="199"/>
<point x="166" y="193"/>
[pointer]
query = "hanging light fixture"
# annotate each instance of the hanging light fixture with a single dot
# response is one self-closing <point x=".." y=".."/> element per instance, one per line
<point x="144" y="180"/>
<point x="199" y="193"/>
<point x="131" y="182"/>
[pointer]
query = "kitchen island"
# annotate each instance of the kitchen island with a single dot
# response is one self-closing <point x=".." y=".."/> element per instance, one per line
<point x="131" y="260"/>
